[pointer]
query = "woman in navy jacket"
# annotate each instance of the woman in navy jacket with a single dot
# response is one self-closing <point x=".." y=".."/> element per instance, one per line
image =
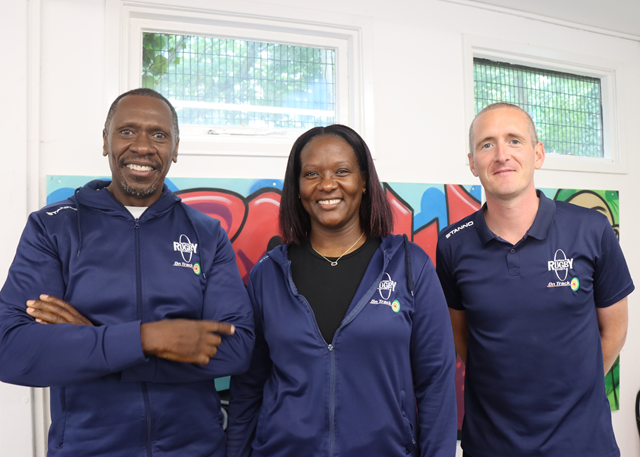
<point x="354" y="351"/>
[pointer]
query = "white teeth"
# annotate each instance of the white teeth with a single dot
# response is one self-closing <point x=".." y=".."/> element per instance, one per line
<point x="135" y="167"/>
<point x="335" y="201"/>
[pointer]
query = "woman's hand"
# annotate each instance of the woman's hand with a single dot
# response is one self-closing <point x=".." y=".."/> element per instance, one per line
<point x="52" y="310"/>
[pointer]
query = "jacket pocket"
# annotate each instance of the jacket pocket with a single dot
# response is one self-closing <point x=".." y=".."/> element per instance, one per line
<point x="64" y="413"/>
<point x="408" y="425"/>
<point x="267" y="406"/>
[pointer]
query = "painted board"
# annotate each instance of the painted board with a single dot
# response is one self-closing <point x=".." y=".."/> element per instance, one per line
<point x="248" y="208"/>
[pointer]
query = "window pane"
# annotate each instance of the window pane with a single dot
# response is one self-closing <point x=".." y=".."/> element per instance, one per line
<point x="226" y="82"/>
<point x="566" y="108"/>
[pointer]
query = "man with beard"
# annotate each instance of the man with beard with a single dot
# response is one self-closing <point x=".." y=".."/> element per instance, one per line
<point x="153" y="294"/>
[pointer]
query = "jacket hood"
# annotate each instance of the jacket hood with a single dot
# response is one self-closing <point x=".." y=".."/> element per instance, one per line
<point x="95" y="195"/>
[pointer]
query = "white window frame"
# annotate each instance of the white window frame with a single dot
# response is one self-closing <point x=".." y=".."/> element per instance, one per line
<point x="126" y="21"/>
<point x="608" y="71"/>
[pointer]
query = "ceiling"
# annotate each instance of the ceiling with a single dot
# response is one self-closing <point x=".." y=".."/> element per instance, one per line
<point x="621" y="16"/>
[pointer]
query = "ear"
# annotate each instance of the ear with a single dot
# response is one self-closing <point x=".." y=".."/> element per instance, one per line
<point x="472" y="165"/>
<point x="105" y="148"/>
<point x="540" y="155"/>
<point x="175" y="152"/>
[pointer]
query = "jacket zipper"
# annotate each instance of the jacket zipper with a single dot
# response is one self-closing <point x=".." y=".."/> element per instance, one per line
<point x="145" y="390"/>
<point x="332" y="400"/>
<point x="330" y="347"/>
<point x="332" y="358"/>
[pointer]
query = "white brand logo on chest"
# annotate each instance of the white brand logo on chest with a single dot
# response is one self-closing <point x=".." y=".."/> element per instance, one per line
<point x="185" y="247"/>
<point x="457" y="229"/>
<point x="560" y="264"/>
<point x="53" y="213"/>
<point x="386" y="286"/>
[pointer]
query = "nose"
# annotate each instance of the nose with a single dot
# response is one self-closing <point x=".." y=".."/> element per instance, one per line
<point x="328" y="183"/>
<point x="502" y="153"/>
<point x="142" y="145"/>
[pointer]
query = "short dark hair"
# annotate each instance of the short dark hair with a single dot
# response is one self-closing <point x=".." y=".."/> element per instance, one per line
<point x="146" y="93"/>
<point x="376" y="218"/>
<point x="498" y="105"/>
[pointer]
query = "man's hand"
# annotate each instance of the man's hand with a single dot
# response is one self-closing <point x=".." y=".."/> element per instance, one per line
<point x="52" y="310"/>
<point x="183" y="340"/>
<point x="180" y="340"/>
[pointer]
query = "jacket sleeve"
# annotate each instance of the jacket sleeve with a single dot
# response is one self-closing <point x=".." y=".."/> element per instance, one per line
<point x="433" y="366"/>
<point x="34" y="354"/>
<point x="225" y="299"/>
<point x="611" y="279"/>
<point x="246" y="391"/>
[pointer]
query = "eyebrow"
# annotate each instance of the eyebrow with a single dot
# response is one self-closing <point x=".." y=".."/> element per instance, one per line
<point x="342" y="163"/>
<point x="486" y="138"/>
<point x="508" y="135"/>
<point x="126" y="124"/>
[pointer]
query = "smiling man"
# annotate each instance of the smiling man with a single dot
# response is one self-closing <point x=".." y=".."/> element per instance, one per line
<point x="537" y="295"/>
<point x="136" y="126"/>
<point x="153" y="291"/>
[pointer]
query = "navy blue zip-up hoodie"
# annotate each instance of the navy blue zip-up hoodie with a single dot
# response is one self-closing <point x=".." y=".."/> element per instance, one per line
<point x="107" y="398"/>
<point x="383" y="387"/>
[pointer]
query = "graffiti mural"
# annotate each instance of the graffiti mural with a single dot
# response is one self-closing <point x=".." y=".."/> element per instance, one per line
<point x="250" y="222"/>
<point x="248" y="210"/>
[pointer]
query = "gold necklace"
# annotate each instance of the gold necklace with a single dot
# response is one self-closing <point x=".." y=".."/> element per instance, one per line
<point x="335" y="262"/>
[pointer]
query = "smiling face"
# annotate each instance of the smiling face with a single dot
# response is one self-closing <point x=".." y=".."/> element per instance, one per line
<point x="141" y="144"/>
<point x="504" y="156"/>
<point x="331" y="184"/>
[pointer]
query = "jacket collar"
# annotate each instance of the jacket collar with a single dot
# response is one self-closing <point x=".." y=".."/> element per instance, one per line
<point x="538" y="230"/>
<point x="95" y="195"/>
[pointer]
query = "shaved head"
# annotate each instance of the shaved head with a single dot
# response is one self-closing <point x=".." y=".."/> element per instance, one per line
<point x="500" y="105"/>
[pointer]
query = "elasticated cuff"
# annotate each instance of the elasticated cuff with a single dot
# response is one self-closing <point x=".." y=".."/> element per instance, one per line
<point x="123" y="346"/>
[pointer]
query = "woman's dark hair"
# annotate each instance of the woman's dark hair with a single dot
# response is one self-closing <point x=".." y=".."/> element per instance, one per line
<point x="376" y="218"/>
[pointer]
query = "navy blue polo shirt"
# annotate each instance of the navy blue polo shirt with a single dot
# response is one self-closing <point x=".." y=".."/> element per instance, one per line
<point x="534" y="381"/>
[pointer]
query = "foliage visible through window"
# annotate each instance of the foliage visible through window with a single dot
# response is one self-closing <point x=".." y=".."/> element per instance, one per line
<point x="227" y="82"/>
<point x="566" y="108"/>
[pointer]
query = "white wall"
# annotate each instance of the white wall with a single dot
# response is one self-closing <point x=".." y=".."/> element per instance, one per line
<point x="15" y="402"/>
<point x="419" y="127"/>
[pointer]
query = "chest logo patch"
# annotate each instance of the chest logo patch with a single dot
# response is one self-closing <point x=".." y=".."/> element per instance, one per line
<point x="186" y="249"/>
<point x="386" y="286"/>
<point x="560" y="264"/>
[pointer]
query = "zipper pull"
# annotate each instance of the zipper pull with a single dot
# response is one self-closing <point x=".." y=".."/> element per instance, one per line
<point x="137" y="225"/>
<point x="330" y="347"/>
